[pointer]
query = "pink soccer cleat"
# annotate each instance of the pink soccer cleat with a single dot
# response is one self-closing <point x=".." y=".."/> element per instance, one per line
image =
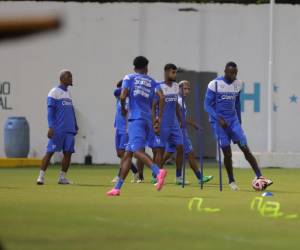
<point x="113" y="192"/>
<point x="160" y="179"/>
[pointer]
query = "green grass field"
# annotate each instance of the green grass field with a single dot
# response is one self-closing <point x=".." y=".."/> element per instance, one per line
<point x="80" y="216"/>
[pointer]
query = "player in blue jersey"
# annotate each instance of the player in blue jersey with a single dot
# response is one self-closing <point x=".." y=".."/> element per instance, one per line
<point x="170" y="131"/>
<point x="222" y="102"/>
<point x="140" y="89"/>
<point x="185" y="88"/>
<point x="121" y="136"/>
<point x="62" y="127"/>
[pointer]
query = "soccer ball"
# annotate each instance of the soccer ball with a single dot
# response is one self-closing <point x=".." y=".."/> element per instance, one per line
<point x="259" y="184"/>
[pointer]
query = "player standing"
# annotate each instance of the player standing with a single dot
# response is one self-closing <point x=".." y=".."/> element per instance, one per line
<point x="121" y="136"/>
<point x="185" y="88"/>
<point x="170" y="131"/>
<point x="62" y="127"/>
<point x="222" y="102"/>
<point x="140" y="89"/>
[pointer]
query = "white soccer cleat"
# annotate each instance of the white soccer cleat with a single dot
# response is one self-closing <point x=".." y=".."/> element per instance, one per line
<point x="115" y="180"/>
<point x="179" y="181"/>
<point x="233" y="186"/>
<point x="40" y="180"/>
<point x="64" y="181"/>
<point x="140" y="181"/>
<point x="269" y="182"/>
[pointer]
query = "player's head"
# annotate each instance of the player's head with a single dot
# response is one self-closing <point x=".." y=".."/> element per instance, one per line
<point x="185" y="88"/>
<point x="119" y="84"/>
<point x="170" y="72"/>
<point x="230" y="71"/>
<point x="65" y="77"/>
<point x="140" y="64"/>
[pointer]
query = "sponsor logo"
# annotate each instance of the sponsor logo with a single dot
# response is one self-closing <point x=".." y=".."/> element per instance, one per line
<point x="228" y="97"/>
<point x="66" y="103"/>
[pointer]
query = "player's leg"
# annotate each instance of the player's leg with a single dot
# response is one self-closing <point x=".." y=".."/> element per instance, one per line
<point x="194" y="166"/>
<point x="188" y="150"/>
<point x="225" y="140"/>
<point x="140" y="168"/>
<point x="229" y="168"/>
<point x="156" y="171"/>
<point x="45" y="163"/>
<point x="68" y="150"/>
<point x="176" y="138"/>
<point x="55" y="144"/>
<point x="167" y="156"/>
<point x="179" y="164"/>
<point x="124" y="169"/>
<point x="253" y="163"/>
<point x="121" y="140"/>
<point x="138" y="134"/>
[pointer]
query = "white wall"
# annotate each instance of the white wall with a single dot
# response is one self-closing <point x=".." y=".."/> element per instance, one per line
<point x="99" y="42"/>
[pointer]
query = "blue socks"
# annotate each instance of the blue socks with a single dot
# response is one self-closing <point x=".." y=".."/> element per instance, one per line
<point x="198" y="174"/>
<point x="155" y="169"/>
<point x="231" y="179"/>
<point x="178" y="173"/>
<point x="258" y="173"/>
<point x="133" y="168"/>
<point x="119" y="184"/>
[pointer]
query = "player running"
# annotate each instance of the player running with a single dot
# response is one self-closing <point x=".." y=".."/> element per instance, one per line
<point x="62" y="127"/>
<point x="222" y="102"/>
<point x="170" y="131"/>
<point x="140" y="89"/>
<point x="185" y="88"/>
<point x="121" y="136"/>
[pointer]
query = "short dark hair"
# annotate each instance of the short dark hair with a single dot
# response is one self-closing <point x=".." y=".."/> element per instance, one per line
<point x="140" y="62"/>
<point x="119" y="84"/>
<point x="170" y="66"/>
<point x="231" y="64"/>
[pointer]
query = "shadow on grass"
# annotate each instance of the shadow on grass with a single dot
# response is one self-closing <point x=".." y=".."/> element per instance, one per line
<point x="91" y="185"/>
<point x="6" y="187"/>
<point x="284" y="192"/>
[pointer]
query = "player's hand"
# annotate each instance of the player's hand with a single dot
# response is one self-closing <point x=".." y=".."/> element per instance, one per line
<point x="223" y="123"/>
<point x="156" y="126"/>
<point x="196" y="126"/>
<point x="50" y="133"/>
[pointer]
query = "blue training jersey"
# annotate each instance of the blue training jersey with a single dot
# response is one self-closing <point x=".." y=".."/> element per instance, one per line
<point x="142" y="89"/>
<point x="120" y="120"/>
<point x="171" y="94"/>
<point x="222" y="99"/>
<point x="61" y="115"/>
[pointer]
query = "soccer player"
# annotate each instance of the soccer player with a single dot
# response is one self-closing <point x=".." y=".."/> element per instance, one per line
<point x="62" y="127"/>
<point x="185" y="88"/>
<point x="140" y="89"/>
<point x="170" y="131"/>
<point x="121" y="136"/>
<point x="222" y="102"/>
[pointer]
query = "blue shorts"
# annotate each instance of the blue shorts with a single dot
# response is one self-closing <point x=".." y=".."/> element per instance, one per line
<point x="61" y="142"/>
<point x="171" y="135"/>
<point x="234" y="132"/>
<point x="187" y="145"/>
<point x="121" y="140"/>
<point x="138" y="133"/>
<point x="153" y="139"/>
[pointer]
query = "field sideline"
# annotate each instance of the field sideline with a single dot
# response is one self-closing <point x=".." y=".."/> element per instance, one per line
<point x="80" y="216"/>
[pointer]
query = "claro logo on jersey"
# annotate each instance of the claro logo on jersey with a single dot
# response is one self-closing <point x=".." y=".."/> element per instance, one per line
<point x="67" y="103"/>
<point x="171" y="99"/>
<point x="228" y="97"/>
